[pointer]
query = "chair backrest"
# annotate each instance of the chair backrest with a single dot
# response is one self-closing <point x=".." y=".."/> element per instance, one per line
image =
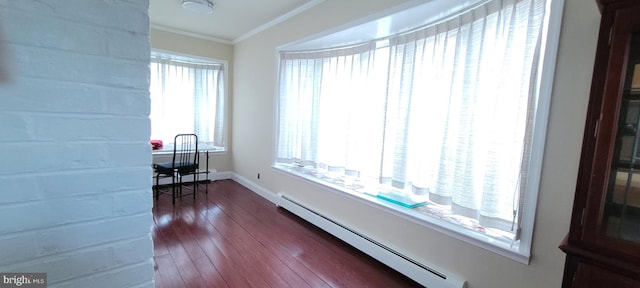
<point x="185" y="150"/>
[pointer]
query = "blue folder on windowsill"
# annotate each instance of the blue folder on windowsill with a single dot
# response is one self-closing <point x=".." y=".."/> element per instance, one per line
<point x="400" y="199"/>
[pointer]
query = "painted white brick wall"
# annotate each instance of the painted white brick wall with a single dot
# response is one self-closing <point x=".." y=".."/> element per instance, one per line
<point x="75" y="163"/>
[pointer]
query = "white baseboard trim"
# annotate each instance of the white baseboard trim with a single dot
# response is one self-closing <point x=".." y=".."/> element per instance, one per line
<point x="266" y="194"/>
<point x="222" y="176"/>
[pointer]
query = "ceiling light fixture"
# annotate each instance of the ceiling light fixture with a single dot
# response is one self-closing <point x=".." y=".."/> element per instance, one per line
<point x="199" y="6"/>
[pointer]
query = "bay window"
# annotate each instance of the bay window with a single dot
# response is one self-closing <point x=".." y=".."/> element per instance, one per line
<point x="440" y="119"/>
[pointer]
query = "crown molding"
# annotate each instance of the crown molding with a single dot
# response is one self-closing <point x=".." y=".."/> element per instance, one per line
<point x="247" y="35"/>
<point x="190" y="34"/>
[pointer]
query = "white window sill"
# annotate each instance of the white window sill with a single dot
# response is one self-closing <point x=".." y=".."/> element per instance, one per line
<point x="432" y="222"/>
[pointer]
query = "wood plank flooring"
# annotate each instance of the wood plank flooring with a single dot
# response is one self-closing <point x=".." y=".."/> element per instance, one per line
<point x="234" y="238"/>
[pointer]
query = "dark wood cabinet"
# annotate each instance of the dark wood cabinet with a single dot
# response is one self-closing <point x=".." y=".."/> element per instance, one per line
<point x="603" y="244"/>
<point x="594" y="276"/>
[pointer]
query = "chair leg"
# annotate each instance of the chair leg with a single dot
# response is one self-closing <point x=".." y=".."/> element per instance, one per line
<point x="195" y="184"/>
<point x="180" y="185"/>
<point x="156" y="188"/>
<point x="207" y="181"/>
<point x="173" y="190"/>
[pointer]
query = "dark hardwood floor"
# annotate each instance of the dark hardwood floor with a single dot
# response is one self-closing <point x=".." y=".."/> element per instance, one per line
<point x="235" y="238"/>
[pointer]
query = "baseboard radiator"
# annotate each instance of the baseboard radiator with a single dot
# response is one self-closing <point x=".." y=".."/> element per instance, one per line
<point x="422" y="273"/>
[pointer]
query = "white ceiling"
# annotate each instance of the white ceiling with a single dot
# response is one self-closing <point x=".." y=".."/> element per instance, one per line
<point x="231" y="20"/>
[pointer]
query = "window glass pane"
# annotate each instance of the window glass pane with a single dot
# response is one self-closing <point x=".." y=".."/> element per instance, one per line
<point x="622" y="204"/>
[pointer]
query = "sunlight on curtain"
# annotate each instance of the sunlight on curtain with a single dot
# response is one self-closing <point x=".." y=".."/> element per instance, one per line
<point x="186" y="97"/>
<point x="444" y="112"/>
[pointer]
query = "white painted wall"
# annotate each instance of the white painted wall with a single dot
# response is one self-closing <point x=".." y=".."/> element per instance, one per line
<point x="253" y="122"/>
<point x="75" y="175"/>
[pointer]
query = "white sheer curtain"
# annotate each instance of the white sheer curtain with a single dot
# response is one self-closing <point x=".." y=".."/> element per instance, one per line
<point x="186" y="97"/>
<point x="463" y="136"/>
<point x="444" y="111"/>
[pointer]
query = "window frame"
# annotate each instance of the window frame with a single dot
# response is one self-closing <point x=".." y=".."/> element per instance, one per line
<point x="521" y="252"/>
<point x="168" y="148"/>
